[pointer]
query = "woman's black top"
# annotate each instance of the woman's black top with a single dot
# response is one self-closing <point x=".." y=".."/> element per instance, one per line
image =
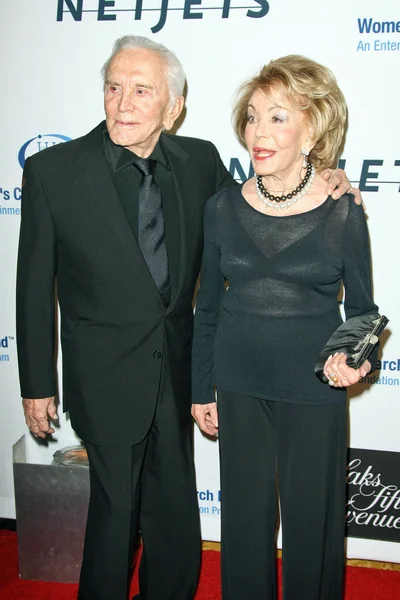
<point x="268" y="297"/>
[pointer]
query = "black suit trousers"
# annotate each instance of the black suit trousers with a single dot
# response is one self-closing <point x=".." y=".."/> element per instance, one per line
<point x="150" y="485"/>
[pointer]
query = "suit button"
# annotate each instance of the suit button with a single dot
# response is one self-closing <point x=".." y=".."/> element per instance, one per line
<point x="157" y="354"/>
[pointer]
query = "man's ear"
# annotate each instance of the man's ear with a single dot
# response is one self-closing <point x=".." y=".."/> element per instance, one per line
<point x="173" y="112"/>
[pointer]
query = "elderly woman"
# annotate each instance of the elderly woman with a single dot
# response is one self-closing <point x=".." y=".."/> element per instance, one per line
<point x="284" y="249"/>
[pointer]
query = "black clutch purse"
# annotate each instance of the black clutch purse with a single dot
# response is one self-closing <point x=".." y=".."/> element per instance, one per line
<point x="356" y="337"/>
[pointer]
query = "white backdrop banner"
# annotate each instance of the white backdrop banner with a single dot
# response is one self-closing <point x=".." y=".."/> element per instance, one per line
<point x="52" y="52"/>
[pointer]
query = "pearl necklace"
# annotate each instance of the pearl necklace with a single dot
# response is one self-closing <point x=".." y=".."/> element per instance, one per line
<point x="281" y="202"/>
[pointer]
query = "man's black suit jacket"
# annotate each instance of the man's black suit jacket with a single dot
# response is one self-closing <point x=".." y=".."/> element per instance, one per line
<point x="114" y="326"/>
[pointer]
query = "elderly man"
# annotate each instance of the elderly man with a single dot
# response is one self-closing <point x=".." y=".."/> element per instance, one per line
<point x="116" y="218"/>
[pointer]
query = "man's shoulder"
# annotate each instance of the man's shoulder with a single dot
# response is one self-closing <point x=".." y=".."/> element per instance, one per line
<point x="188" y="144"/>
<point x="66" y="151"/>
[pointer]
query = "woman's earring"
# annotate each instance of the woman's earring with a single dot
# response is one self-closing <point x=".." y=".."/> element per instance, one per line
<point x="305" y="154"/>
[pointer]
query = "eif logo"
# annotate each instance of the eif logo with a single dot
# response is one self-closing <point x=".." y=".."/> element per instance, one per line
<point x="191" y="9"/>
<point x="38" y="143"/>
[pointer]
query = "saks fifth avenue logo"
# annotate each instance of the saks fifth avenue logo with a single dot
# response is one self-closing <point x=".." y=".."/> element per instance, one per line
<point x="373" y="504"/>
<point x="38" y="143"/>
<point x="110" y="10"/>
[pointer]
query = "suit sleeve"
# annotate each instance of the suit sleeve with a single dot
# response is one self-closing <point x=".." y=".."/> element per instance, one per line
<point x="35" y="301"/>
<point x="223" y="179"/>
<point x="357" y="276"/>
<point x="208" y="306"/>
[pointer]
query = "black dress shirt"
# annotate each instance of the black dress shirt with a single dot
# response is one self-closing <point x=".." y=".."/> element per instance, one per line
<point x="127" y="179"/>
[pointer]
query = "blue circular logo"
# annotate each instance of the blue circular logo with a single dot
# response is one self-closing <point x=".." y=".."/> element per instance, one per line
<point x="38" y="143"/>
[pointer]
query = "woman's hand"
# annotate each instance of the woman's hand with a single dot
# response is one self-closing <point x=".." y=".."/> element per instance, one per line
<point x="206" y="417"/>
<point x="339" y="374"/>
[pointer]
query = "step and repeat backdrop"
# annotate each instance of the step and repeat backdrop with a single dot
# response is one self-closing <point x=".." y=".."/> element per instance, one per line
<point x="51" y="55"/>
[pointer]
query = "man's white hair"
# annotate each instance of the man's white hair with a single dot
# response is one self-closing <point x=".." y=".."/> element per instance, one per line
<point x="174" y="71"/>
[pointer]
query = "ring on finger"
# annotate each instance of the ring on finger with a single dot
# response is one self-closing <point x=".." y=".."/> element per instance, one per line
<point x="333" y="379"/>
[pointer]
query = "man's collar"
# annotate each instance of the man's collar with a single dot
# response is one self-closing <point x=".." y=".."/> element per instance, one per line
<point x="121" y="157"/>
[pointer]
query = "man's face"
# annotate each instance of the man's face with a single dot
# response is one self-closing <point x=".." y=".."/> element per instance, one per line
<point x="137" y="101"/>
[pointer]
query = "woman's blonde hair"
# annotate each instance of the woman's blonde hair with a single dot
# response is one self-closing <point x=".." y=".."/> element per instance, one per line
<point x="309" y="87"/>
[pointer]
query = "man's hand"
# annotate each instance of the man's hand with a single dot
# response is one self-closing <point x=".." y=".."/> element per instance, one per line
<point x="37" y="413"/>
<point x="338" y="184"/>
<point x="206" y="417"/>
<point x="339" y="374"/>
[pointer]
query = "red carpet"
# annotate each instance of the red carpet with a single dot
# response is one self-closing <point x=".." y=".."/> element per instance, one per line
<point x="361" y="583"/>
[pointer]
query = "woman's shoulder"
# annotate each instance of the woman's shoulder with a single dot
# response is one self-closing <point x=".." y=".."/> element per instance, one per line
<point x="348" y="203"/>
<point x="349" y="214"/>
<point x="347" y="206"/>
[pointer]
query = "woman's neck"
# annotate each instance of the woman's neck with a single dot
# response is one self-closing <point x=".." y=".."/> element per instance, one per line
<point x="282" y="183"/>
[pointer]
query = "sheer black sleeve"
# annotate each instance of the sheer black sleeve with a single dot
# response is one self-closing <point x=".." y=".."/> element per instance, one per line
<point x="208" y="305"/>
<point x="357" y="277"/>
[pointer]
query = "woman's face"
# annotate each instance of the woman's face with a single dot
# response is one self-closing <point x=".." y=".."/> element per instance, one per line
<point x="275" y="134"/>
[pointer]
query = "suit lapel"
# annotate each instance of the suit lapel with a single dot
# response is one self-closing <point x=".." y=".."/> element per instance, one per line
<point x="178" y="159"/>
<point x="97" y="188"/>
